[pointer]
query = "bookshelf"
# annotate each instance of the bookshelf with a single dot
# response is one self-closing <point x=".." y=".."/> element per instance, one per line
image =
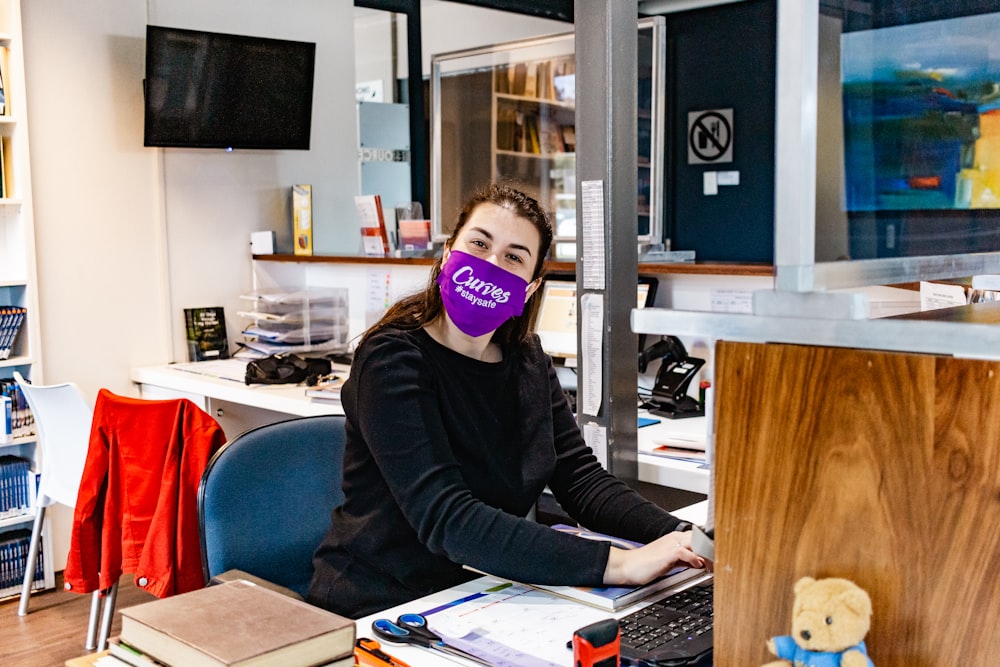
<point x="516" y="103"/>
<point x="18" y="282"/>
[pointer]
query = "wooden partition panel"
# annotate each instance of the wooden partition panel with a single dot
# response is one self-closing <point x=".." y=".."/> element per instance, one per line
<point x="880" y="467"/>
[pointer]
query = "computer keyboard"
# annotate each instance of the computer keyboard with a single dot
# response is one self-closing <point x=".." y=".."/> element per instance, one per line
<point x="673" y="631"/>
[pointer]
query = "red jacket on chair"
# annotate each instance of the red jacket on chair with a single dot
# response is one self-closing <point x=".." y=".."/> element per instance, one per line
<point x="137" y="507"/>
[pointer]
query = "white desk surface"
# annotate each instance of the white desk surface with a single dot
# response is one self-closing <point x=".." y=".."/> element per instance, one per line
<point x="291" y="400"/>
<point x="544" y="623"/>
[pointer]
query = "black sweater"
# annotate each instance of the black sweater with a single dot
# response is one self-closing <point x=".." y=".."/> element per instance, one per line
<point x="445" y="456"/>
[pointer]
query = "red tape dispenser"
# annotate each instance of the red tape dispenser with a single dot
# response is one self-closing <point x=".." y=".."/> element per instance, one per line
<point x="597" y="644"/>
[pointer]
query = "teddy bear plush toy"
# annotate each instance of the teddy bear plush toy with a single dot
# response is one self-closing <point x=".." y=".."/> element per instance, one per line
<point x="830" y="618"/>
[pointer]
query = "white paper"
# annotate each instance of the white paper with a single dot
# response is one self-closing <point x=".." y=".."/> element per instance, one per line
<point x="591" y="320"/>
<point x="513" y="625"/>
<point x="731" y="301"/>
<point x="596" y="437"/>
<point x="728" y="178"/>
<point x="377" y="298"/>
<point x="593" y="234"/>
<point x="938" y="295"/>
<point x="710" y="183"/>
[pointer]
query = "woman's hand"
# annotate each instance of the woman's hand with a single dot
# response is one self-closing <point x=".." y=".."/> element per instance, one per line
<point x="632" y="567"/>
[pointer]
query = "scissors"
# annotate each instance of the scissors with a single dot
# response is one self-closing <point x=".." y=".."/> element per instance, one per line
<point x="413" y="629"/>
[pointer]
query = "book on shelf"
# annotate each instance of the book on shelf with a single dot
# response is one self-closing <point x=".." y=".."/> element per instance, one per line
<point x="206" y="333"/>
<point x="22" y="422"/>
<point x="4" y="81"/>
<point x="302" y="231"/>
<point x="613" y="598"/>
<point x="224" y="626"/>
<point x="14" y="558"/>
<point x="374" y="238"/>
<point x="11" y="319"/>
<point x="3" y="171"/>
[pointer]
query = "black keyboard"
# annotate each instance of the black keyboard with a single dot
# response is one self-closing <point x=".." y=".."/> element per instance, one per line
<point x="673" y="631"/>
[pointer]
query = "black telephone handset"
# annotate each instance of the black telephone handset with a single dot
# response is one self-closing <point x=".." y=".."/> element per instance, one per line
<point x="670" y="398"/>
<point x="674" y="378"/>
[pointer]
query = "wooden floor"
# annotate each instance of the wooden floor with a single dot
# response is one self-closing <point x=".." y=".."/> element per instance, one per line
<point x="55" y="628"/>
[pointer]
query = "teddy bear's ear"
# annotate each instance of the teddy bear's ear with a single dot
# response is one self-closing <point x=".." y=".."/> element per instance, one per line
<point x="802" y="583"/>
<point x="857" y="600"/>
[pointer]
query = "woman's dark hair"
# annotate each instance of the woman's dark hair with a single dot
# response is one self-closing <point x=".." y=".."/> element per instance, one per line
<point x="416" y="310"/>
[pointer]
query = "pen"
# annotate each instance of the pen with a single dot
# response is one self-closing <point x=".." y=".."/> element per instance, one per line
<point x="369" y="652"/>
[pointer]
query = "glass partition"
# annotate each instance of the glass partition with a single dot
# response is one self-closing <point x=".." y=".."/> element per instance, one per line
<point x="507" y="113"/>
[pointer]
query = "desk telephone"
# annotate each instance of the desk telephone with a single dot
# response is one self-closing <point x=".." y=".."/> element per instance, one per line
<point x="670" y="398"/>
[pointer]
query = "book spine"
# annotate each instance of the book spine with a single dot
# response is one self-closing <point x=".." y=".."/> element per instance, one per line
<point x="302" y="219"/>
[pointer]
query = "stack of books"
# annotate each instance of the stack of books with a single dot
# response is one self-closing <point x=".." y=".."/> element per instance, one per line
<point x="13" y="559"/>
<point x="17" y="486"/>
<point x="233" y="624"/>
<point x="11" y="318"/>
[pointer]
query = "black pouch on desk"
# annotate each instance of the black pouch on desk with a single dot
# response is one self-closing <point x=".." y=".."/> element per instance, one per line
<point x="285" y="369"/>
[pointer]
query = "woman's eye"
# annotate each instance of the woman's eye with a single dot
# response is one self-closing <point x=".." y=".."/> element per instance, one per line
<point x="515" y="258"/>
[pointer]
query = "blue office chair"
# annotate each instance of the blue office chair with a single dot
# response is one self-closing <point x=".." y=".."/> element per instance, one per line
<point x="265" y="499"/>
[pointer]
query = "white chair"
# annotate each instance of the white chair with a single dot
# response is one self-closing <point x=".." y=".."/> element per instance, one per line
<point x="62" y="419"/>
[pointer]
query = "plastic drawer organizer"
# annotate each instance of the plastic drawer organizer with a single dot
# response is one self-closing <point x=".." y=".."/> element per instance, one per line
<point x="303" y="321"/>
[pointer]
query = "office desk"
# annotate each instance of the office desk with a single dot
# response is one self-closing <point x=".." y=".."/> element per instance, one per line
<point x="239" y="407"/>
<point x="544" y="622"/>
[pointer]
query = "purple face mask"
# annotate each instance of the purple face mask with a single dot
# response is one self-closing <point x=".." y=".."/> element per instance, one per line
<point x="478" y="295"/>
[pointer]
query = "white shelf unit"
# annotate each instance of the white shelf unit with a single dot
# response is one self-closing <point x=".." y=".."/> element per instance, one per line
<point x="18" y="279"/>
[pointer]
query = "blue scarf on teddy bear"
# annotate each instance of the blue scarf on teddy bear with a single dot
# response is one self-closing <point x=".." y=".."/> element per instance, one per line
<point x="787" y="649"/>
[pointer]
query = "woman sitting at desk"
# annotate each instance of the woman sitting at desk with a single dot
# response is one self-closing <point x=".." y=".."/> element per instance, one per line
<point x="455" y="425"/>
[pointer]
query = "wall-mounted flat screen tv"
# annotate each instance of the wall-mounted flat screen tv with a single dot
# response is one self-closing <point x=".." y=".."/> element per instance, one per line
<point x="213" y="90"/>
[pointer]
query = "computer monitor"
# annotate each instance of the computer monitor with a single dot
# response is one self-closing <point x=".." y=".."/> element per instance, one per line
<point x="556" y="320"/>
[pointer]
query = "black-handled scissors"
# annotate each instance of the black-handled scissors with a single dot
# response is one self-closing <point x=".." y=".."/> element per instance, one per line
<point x="413" y="629"/>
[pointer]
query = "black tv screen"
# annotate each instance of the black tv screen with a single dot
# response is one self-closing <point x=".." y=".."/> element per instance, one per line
<point x="213" y="90"/>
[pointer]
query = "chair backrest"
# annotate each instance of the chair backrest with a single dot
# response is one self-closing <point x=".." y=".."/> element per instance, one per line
<point x="62" y="420"/>
<point x="265" y="499"/>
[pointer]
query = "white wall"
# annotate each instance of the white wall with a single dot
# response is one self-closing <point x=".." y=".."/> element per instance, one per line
<point x="446" y="26"/>
<point x="101" y="266"/>
<point x="129" y="236"/>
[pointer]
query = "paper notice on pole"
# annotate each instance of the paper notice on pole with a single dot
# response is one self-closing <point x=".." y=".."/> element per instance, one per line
<point x="593" y="234"/>
<point x="377" y="297"/>
<point x="596" y="437"/>
<point x="592" y="340"/>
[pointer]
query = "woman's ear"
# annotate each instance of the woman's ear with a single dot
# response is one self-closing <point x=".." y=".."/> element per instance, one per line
<point x="532" y="287"/>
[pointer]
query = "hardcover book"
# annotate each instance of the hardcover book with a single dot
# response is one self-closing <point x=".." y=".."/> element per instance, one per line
<point x="236" y="624"/>
<point x="206" y="333"/>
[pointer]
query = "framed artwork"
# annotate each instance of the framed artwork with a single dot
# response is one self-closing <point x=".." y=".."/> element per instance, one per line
<point x="921" y="107"/>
